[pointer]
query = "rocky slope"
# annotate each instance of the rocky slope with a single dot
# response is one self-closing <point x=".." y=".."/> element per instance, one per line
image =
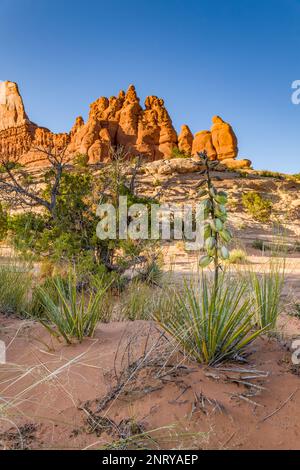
<point x="118" y="120"/>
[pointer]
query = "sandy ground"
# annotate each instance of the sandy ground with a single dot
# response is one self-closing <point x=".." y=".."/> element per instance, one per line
<point x="130" y="380"/>
<point x="52" y="394"/>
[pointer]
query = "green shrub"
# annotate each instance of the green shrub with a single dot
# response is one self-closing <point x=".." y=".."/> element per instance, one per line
<point x="258" y="207"/>
<point x="271" y="174"/>
<point x="176" y="153"/>
<point x="267" y="288"/>
<point x="210" y="326"/>
<point x="259" y="244"/>
<point x="237" y="256"/>
<point x="70" y="312"/>
<point x="15" y="283"/>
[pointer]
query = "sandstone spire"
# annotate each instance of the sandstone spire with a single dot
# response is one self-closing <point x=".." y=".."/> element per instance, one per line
<point x="185" y="140"/>
<point x="118" y="120"/>
<point x="12" y="112"/>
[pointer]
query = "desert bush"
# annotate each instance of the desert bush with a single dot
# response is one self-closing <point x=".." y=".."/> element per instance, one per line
<point x="271" y="174"/>
<point x="69" y="312"/>
<point x="176" y="153"/>
<point x="259" y="244"/>
<point x="210" y="326"/>
<point x="267" y="288"/>
<point x="67" y="233"/>
<point x="15" y="283"/>
<point x="237" y="256"/>
<point x="257" y="206"/>
<point x="152" y="274"/>
<point x="295" y="311"/>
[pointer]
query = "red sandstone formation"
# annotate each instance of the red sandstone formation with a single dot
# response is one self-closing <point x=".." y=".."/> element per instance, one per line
<point x="115" y="121"/>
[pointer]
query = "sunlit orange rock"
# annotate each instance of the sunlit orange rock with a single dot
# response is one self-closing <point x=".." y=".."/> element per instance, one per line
<point x="203" y="142"/>
<point x="224" y="139"/>
<point x="185" y="140"/>
<point x="118" y="120"/>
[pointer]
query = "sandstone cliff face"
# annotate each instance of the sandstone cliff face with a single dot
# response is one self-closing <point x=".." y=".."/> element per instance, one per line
<point x="118" y="120"/>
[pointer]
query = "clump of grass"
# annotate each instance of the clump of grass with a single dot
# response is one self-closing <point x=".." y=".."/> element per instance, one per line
<point x="267" y="288"/>
<point x="210" y="326"/>
<point x="237" y="256"/>
<point x="271" y="174"/>
<point x="139" y="301"/>
<point x="259" y="245"/>
<point x="155" y="439"/>
<point x="258" y="207"/>
<point x="15" y="283"/>
<point x="152" y="274"/>
<point x="69" y="312"/>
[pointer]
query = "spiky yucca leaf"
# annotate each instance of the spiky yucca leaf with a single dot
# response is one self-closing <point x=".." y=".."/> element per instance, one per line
<point x="267" y="288"/>
<point x="210" y="326"/>
<point x="75" y="314"/>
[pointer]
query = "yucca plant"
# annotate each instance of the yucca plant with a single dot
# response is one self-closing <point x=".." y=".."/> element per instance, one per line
<point x="70" y="313"/>
<point x="212" y="321"/>
<point x="210" y="326"/>
<point x="267" y="288"/>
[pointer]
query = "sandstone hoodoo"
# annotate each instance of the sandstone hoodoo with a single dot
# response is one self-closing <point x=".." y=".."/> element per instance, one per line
<point x="118" y="120"/>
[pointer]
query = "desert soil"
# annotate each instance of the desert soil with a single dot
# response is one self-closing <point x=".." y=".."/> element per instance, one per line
<point x="129" y="379"/>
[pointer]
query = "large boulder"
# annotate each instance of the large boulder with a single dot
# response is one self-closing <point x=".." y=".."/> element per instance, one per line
<point x="203" y="142"/>
<point x="224" y="139"/>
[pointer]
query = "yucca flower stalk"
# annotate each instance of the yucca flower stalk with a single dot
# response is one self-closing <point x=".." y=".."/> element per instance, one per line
<point x="215" y="215"/>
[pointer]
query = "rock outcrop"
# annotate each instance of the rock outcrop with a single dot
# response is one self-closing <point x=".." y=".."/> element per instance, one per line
<point x="224" y="139"/>
<point x="12" y="112"/>
<point x="203" y="142"/>
<point x="118" y="120"/>
<point x="185" y="140"/>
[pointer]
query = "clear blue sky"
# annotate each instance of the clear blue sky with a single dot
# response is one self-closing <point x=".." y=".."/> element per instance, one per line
<point x="235" y="58"/>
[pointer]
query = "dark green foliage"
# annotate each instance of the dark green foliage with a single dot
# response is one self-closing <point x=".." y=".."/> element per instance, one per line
<point x="176" y="153"/>
<point x="3" y="223"/>
<point x="257" y="206"/>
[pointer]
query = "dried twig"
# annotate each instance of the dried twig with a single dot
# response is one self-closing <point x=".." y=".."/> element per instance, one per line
<point x="281" y="406"/>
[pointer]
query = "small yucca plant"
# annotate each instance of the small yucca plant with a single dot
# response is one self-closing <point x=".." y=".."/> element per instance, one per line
<point x="267" y="288"/>
<point x="70" y="313"/>
<point x="210" y="326"/>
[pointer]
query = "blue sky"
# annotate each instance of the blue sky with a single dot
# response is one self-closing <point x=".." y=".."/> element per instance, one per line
<point x="235" y="58"/>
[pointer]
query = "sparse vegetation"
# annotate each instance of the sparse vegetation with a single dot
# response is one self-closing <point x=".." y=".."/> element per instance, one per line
<point x="237" y="256"/>
<point x="258" y="207"/>
<point x="69" y="313"/>
<point x="210" y="326"/>
<point x="176" y="153"/>
<point x="271" y="174"/>
<point x="15" y="283"/>
<point x="267" y="289"/>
